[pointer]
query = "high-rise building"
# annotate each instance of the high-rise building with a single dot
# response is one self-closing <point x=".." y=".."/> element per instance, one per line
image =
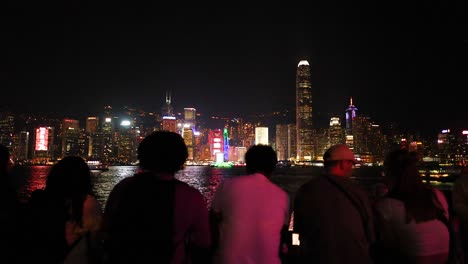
<point x="216" y="143"/>
<point x="21" y="149"/>
<point x="335" y="132"/>
<point x="190" y="115"/>
<point x="167" y="109"/>
<point x="127" y="142"/>
<point x="92" y="124"/>
<point x="107" y="131"/>
<point x="286" y="141"/>
<point x="43" y="145"/>
<point x="169" y="123"/>
<point x="70" y="138"/>
<point x="304" y="126"/>
<point x="261" y="136"/>
<point x="188" y="136"/>
<point x="7" y="129"/>
<point x="350" y="115"/>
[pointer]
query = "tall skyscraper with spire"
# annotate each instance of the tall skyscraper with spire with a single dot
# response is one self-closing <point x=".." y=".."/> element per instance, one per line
<point x="167" y="109"/>
<point x="304" y="128"/>
<point x="350" y="115"/>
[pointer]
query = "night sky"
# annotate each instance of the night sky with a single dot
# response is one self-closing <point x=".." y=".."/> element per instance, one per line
<point x="405" y="63"/>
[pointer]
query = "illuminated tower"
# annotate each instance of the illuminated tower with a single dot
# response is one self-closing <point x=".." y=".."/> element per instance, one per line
<point x="92" y="124"/>
<point x="167" y="109"/>
<point x="350" y="115"/>
<point x="335" y="132"/>
<point x="304" y="131"/>
<point x="226" y="143"/>
<point x="107" y="129"/>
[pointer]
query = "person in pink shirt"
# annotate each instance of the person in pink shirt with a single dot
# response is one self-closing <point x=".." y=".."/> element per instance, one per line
<point x="250" y="213"/>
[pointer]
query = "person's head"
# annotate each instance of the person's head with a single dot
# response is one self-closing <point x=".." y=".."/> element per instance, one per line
<point x="401" y="171"/>
<point x="162" y="152"/>
<point x="69" y="177"/>
<point x="339" y="160"/>
<point x="261" y="159"/>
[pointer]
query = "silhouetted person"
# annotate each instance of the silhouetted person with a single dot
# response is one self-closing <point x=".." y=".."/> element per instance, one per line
<point x="152" y="217"/>
<point x="409" y="225"/>
<point x="460" y="207"/>
<point x="63" y="214"/>
<point x="333" y="215"/>
<point x="9" y="211"/>
<point x="250" y="212"/>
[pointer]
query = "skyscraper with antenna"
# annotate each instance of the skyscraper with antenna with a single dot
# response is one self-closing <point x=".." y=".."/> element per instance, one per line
<point x="167" y="109"/>
<point x="350" y="116"/>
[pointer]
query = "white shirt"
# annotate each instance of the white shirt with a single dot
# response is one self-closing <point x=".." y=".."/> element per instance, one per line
<point x="414" y="239"/>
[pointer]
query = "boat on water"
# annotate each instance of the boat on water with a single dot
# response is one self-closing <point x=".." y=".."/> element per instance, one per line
<point x="97" y="165"/>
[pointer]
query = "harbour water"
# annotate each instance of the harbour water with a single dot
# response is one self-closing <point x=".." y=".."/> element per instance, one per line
<point x="204" y="178"/>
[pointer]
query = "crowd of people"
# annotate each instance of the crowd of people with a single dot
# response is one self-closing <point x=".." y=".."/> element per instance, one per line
<point x="152" y="217"/>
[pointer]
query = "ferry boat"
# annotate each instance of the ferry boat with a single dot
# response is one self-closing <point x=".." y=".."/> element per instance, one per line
<point x="437" y="172"/>
<point x="97" y="165"/>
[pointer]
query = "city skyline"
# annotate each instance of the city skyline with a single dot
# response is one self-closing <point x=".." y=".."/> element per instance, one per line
<point x="399" y="65"/>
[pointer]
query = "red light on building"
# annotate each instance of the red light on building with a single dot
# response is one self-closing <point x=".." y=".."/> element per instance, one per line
<point x="42" y="138"/>
<point x="215" y="140"/>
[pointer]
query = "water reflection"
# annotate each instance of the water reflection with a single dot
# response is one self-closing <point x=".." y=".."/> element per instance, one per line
<point x="203" y="178"/>
<point x="29" y="178"/>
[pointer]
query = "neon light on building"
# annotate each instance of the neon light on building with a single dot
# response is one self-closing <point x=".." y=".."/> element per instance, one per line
<point x="215" y="140"/>
<point x="42" y="138"/>
<point x="226" y="143"/>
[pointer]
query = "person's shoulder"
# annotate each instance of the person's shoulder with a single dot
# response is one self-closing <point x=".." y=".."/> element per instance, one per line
<point x="124" y="184"/>
<point x="187" y="189"/>
<point x="91" y="201"/>
<point x="309" y="187"/>
<point x="439" y="194"/>
<point x="461" y="180"/>
<point x="126" y="181"/>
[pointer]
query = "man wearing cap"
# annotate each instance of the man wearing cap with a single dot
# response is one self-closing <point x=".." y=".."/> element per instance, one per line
<point x="333" y="215"/>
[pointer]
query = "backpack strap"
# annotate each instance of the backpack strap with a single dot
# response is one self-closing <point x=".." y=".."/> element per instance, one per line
<point x="365" y="220"/>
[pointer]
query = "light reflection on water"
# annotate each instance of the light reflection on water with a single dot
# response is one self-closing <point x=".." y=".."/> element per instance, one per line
<point x="204" y="178"/>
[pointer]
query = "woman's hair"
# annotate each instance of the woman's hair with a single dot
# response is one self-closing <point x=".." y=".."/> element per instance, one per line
<point x="401" y="167"/>
<point x="69" y="180"/>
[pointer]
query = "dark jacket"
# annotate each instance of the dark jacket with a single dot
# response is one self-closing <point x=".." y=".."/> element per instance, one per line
<point x="334" y="219"/>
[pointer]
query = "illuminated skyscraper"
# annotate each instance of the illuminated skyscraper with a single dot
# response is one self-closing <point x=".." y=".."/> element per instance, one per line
<point x="304" y="131"/>
<point x="167" y="109"/>
<point x="169" y="123"/>
<point x="92" y="124"/>
<point x="350" y="115"/>
<point x="107" y="129"/>
<point x="286" y="141"/>
<point x="261" y="136"/>
<point x="335" y="132"/>
<point x="190" y="115"/>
